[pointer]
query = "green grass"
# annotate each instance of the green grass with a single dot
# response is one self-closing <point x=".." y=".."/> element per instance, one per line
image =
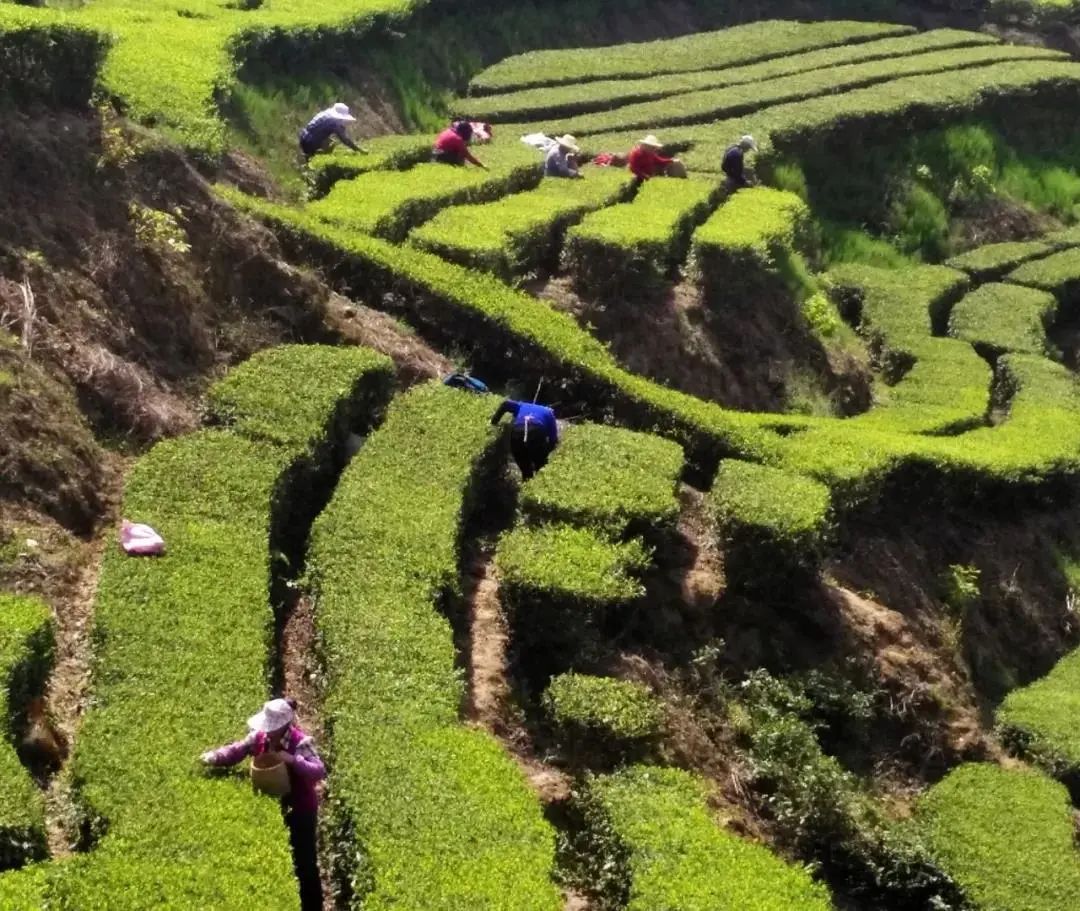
<point x="608" y="478"/>
<point x="707" y="50"/>
<point x="26" y="651"/>
<point x="617" y="709"/>
<point x="731" y="101"/>
<point x="1006" y="836"/>
<point x="550" y="102"/>
<point x="391" y="203"/>
<point x="631" y="249"/>
<point x="430" y="814"/>
<point x="1045" y="716"/>
<point x="991" y="262"/>
<point x="516" y="236"/>
<point x="997" y="318"/>
<point x="750" y="245"/>
<point x="665" y="850"/>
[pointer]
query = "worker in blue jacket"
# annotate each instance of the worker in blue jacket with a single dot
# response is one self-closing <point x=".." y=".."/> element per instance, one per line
<point x="534" y="433"/>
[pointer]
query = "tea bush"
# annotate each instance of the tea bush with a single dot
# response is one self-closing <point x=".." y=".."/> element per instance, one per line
<point x="609" y="478"/>
<point x="427" y="814"/>
<point x="1005" y="835"/>
<point x="996" y="318"/>
<point x="520" y="234"/>
<point x="629" y="250"/>
<point x="586" y="707"/>
<point x="1059" y="274"/>
<point x="653" y="828"/>
<point x="26" y="651"/>
<point x="991" y="262"/>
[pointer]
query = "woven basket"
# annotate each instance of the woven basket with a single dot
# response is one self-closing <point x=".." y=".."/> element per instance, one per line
<point x="269" y="775"/>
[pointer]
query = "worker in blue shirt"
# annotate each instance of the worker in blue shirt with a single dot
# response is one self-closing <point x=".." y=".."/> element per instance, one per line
<point x="534" y="433"/>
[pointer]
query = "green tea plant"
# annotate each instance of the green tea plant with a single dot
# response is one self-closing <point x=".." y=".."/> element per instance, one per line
<point x="584" y="707"/>
<point x="993" y="261"/>
<point x="997" y="318"/>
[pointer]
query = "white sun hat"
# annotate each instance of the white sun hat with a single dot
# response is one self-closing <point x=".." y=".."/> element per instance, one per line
<point x="274" y="715"/>
<point x="568" y="142"/>
<point x="652" y="141"/>
<point x="747" y="142"/>
<point x="341" y="110"/>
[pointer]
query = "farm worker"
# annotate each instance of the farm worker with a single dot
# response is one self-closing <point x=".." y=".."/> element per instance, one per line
<point x="272" y="730"/>
<point x="534" y="433"/>
<point x="645" y="160"/>
<point x="466" y="382"/>
<point x="732" y="165"/>
<point x="322" y="126"/>
<point x="452" y="145"/>
<point x="481" y="132"/>
<point x="560" y="160"/>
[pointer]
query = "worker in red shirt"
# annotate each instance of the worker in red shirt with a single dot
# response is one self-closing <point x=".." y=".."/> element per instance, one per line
<point x="452" y="145"/>
<point x="645" y="160"/>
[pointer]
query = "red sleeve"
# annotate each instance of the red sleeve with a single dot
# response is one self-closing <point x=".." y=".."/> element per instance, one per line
<point x="661" y="160"/>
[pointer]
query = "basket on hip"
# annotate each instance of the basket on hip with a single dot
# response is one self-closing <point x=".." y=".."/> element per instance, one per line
<point x="270" y="775"/>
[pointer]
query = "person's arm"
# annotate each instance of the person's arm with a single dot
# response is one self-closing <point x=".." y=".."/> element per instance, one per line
<point x="306" y="761"/>
<point x="505" y="408"/>
<point x="343" y="135"/>
<point x="470" y="157"/>
<point x="230" y="754"/>
<point x="662" y="161"/>
<point x="552" y="426"/>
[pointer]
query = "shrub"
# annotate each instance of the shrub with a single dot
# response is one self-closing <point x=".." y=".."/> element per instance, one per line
<point x="1059" y="274"/>
<point x="773" y="523"/>
<point x="24" y="889"/>
<point x="629" y="250"/>
<point x="391" y="203"/>
<point x="428" y="814"/>
<point x="602" y="709"/>
<point x="549" y="102"/>
<point x="520" y="234"/>
<point x="609" y="478"/>
<point x="992" y="261"/>
<point x="998" y="318"/>
<point x="748" y="247"/>
<point x="381" y="153"/>
<point x="26" y="651"/>
<point x="658" y="847"/>
<point x="1005" y="835"/>
<point x="731" y="101"/>
<point x="706" y="50"/>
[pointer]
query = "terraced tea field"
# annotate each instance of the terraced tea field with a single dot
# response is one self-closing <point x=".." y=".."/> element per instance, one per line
<point x="434" y="800"/>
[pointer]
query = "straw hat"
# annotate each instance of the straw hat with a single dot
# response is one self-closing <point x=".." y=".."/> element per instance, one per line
<point x="651" y="141"/>
<point x="568" y="142"/>
<point x="274" y="715"/>
<point x="747" y="143"/>
<point x="341" y="111"/>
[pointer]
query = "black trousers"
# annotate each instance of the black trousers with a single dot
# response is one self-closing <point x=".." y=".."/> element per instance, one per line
<point x="303" y="829"/>
<point x="530" y="447"/>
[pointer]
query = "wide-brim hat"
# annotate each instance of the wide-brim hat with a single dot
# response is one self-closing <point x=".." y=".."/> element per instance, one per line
<point x="568" y="142"/>
<point x="651" y="141"/>
<point x="273" y="716"/>
<point x="341" y="111"/>
<point x="747" y="142"/>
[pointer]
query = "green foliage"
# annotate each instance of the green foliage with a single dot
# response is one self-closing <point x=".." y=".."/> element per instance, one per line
<point x="158" y="232"/>
<point x="821" y="315"/>
<point x="998" y="318"/>
<point x="629" y="250"/>
<point x="920" y="223"/>
<point x="520" y="234"/>
<point x="559" y="562"/>
<point x="429" y="814"/>
<point x="391" y="153"/>
<point x="668" y="852"/>
<point x="26" y="650"/>
<point x="712" y="50"/>
<point x="607" y="477"/>
<point x="285" y="394"/>
<point x="1006" y="836"/>
<point x="841" y="244"/>
<point x="24" y="889"/>
<point x="729" y="101"/>
<point x="992" y="261"/>
<point x="773" y="522"/>
<point x="610" y="708"/>
<point x="596" y="95"/>
<point x="1043" y="716"/>
<point x="1058" y="273"/>
<point x="391" y="203"/>
<point x="46" y="59"/>
<point x="751" y="246"/>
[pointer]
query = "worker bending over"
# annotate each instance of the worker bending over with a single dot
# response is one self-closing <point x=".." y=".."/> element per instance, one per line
<point x="733" y="163"/>
<point x="271" y="730"/>
<point x="452" y="145"/>
<point x="331" y="122"/>
<point x="534" y="433"/>
<point x="560" y="160"/>
<point x="645" y="160"/>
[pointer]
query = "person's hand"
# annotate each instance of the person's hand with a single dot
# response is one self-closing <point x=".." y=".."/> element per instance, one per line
<point x="207" y="758"/>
